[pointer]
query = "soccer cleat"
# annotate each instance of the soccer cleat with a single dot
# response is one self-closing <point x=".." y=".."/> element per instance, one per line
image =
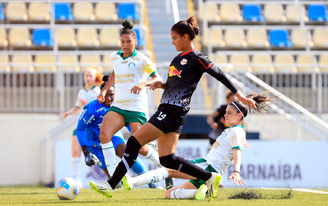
<point x="201" y="193"/>
<point x="155" y="186"/>
<point x="169" y="183"/>
<point x="213" y="185"/>
<point x="103" y="188"/>
<point x="127" y="184"/>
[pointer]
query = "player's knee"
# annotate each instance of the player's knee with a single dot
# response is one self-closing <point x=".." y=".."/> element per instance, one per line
<point x="132" y="149"/>
<point x="143" y="150"/>
<point x="168" y="161"/>
<point x="105" y="136"/>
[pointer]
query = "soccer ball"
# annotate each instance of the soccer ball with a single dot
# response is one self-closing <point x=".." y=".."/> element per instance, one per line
<point x="67" y="189"/>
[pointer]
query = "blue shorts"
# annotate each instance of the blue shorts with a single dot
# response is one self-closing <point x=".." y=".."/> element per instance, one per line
<point x="99" y="153"/>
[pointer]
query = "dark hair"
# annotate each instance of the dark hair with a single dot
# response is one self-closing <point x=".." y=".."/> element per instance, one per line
<point x="105" y="79"/>
<point x="262" y="102"/>
<point x="127" y="28"/>
<point x="189" y="26"/>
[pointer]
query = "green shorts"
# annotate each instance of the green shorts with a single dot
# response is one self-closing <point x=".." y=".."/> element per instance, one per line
<point x="130" y="116"/>
<point x="203" y="164"/>
<point x="74" y="132"/>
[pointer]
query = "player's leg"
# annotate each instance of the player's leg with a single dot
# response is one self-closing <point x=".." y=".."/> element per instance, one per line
<point x="76" y="156"/>
<point x="184" y="191"/>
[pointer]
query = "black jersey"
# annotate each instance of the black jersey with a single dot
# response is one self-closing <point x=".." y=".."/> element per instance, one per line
<point x="184" y="74"/>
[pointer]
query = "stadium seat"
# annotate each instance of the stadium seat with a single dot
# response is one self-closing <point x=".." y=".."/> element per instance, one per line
<point x="16" y="11"/>
<point x="221" y="59"/>
<point x="293" y="13"/>
<point x="257" y="38"/>
<point x="106" y="11"/>
<point x="106" y="60"/>
<point x="318" y="12"/>
<point x="128" y="11"/>
<point x="279" y="38"/>
<point x="230" y="12"/>
<point x="140" y="37"/>
<point x="284" y="63"/>
<point x="274" y="13"/>
<point x="88" y="60"/>
<point x="217" y="38"/>
<point x="323" y="62"/>
<point x="83" y="11"/>
<point x="212" y="12"/>
<point x="66" y="37"/>
<point x="298" y="38"/>
<point x="69" y="62"/>
<point x="110" y="37"/>
<point x="45" y="63"/>
<point x="3" y="37"/>
<point x="19" y="37"/>
<point x="2" y="16"/>
<point x="252" y="12"/>
<point x="240" y="62"/>
<point x="235" y="38"/>
<point x="320" y="37"/>
<point x="39" y="11"/>
<point x="304" y="62"/>
<point x="4" y="60"/>
<point x="87" y="37"/>
<point x="42" y="37"/>
<point x="262" y="63"/>
<point x="22" y="62"/>
<point x="63" y="11"/>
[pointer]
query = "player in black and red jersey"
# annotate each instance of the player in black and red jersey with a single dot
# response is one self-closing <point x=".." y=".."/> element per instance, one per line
<point x="165" y="125"/>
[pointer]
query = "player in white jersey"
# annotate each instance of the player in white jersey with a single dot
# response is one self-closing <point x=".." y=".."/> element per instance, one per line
<point x="227" y="147"/>
<point x="131" y="69"/>
<point x="92" y="79"/>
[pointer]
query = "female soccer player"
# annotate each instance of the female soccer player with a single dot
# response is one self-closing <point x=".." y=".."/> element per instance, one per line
<point x="165" y="125"/>
<point x="88" y="129"/>
<point x="131" y="69"/>
<point x="227" y="146"/>
<point x="92" y="79"/>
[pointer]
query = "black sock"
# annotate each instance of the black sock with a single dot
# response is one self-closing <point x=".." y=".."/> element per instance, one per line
<point x="183" y="165"/>
<point x="129" y="158"/>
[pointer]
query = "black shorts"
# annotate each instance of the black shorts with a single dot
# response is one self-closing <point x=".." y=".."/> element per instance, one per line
<point x="169" y="118"/>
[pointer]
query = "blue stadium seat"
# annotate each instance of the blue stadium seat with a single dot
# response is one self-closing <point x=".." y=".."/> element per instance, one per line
<point x="2" y="16"/>
<point x="252" y="12"/>
<point x="63" y="11"/>
<point x="139" y="38"/>
<point x="279" y="38"/>
<point x="42" y="37"/>
<point x="317" y="12"/>
<point x="128" y="11"/>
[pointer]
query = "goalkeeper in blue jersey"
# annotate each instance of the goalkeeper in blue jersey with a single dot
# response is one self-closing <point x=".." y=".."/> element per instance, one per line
<point x="88" y="130"/>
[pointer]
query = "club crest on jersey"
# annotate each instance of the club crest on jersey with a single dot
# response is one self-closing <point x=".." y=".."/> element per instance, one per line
<point x="174" y="72"/>
<point x="132" y="66"/>
<point x="183" y="61"/>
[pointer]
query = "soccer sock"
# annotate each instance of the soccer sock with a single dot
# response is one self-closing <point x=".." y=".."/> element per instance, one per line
<point x="182" y="193"/>
<point x="129" y="158"/>
<point x="139" y="167"/>
<point x="183" y="165"/>
<point x="110" y="157"/>
<point x="75" y="168"/>
<point x="150" y="177"/>
<point x="152" y="155"/>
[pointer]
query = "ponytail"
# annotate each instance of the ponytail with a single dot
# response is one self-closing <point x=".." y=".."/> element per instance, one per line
<point x="189" y="26"/>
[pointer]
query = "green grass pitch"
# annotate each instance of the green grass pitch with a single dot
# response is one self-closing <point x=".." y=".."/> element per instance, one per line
<point x="145" y="197"/>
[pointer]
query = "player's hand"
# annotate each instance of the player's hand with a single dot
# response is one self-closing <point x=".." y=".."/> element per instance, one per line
<point x="236" y="179"/>
<point x="65" y="115"/>
<point x="83" y="101"/>
<point x="101" y="97"/>
<point x="214" y="125"/>
<point x="91" y="159"/>
<point x="136" y="89"/>
<point x="249" y="102"/>
<point x="156" y="85"/>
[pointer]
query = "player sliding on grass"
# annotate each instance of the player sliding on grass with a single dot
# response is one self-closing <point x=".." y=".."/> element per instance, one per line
<point x="227" y="146"/>
<point x="165" y="125"/>
<point x="88" y="130"/>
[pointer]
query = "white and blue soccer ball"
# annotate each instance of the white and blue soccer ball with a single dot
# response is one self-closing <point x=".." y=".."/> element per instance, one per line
<point x="67" y="189"/>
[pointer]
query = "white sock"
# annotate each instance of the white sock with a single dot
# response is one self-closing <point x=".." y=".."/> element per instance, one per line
<point x="152" y="155"/>
<point x="151" y="176"/>
<point x="183" y="193"/>
<point x="76" y="168"/>
<point x="110" y="157"/>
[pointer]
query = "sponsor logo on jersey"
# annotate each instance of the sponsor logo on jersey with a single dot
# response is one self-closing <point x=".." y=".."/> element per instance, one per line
<point x="174" y="72"/>
<point x="183" y="61"/>
<point x="131" y="65"/>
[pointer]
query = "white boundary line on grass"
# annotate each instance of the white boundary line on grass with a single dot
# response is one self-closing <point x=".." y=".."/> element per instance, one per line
<point x="296" y="189"/>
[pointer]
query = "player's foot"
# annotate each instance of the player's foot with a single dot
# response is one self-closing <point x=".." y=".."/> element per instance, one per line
<point x="213" y="185"/>
<point x="80" y="185"/>
<point x="155" y="186"/>
<point x="169" y="183"/>
<point x="103" y="188"/>
<point x="201" y="193"/>
<point x="127" y="184"/>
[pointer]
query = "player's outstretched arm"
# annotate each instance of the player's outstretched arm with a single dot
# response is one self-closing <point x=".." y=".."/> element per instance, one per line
<point x="236" y="174"/>
<point x="154" y="78"/>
